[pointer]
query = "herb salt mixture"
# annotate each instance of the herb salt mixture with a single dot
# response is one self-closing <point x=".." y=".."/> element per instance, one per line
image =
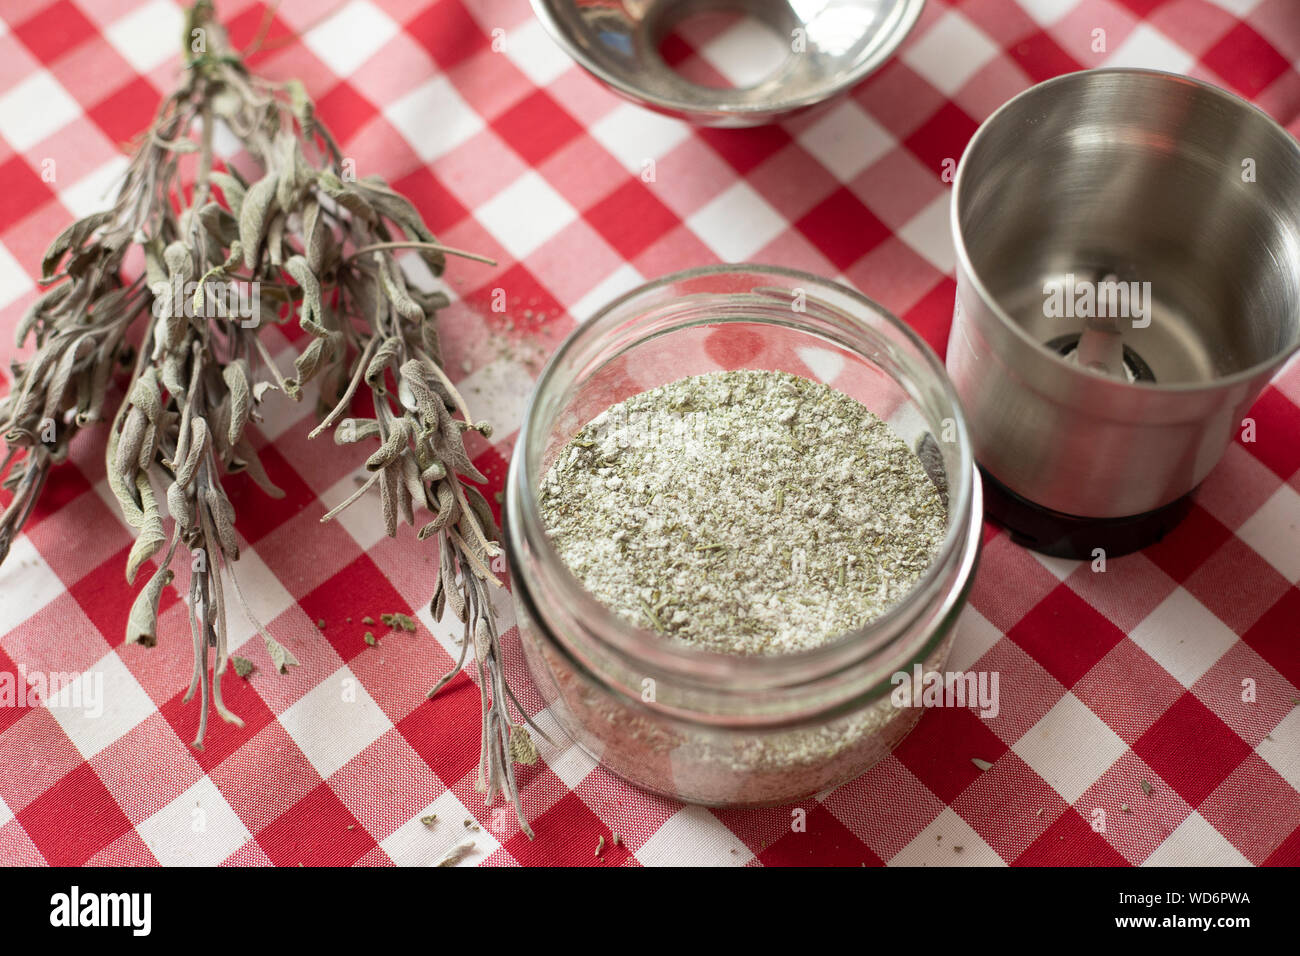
<point x="745" y="512"/>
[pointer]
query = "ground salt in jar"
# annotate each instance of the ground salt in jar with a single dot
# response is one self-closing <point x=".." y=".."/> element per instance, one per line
<point x="742" y="499"/>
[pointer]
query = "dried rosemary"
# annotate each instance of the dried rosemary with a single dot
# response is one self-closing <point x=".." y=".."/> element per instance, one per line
<point x="226" y="256"/>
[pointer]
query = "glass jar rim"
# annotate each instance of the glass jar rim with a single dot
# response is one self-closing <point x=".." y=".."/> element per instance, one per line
<point x="526" y="530"/>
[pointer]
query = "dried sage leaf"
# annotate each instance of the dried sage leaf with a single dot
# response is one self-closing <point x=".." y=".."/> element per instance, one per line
<point x="142" y="623"/>
<point x="254" y="216"/>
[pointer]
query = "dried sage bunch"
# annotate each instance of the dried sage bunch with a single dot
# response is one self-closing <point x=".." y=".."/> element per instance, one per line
<point x="295" y="239"/>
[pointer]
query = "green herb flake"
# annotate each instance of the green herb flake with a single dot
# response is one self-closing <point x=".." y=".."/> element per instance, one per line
<point x="654" y="619"/>
<point x="242" y="665"/>
<point x="1146" y="786"/>
<point x="522" y="748"/>
<point x="399" y="622"/>
<point x="370" y="638"/>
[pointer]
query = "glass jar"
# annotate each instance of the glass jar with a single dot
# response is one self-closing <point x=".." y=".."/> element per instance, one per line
<point x="708" y="727"/>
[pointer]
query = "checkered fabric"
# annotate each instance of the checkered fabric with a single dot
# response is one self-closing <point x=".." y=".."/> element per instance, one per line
<point x="1178" y="666"/>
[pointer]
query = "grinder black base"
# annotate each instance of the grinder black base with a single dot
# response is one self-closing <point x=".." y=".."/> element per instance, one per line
<point x="1070" y="536"/>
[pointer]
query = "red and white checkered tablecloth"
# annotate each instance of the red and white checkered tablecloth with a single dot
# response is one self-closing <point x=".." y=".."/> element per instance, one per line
<point x="1179" y="665"/>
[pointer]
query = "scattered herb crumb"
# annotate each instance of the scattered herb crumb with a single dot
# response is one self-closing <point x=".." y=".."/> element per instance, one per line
<point x="982" y="764"/>
<point x="957" y="849"/>
<point x="616" y="839"/>
<point x="399" y="622"/>
<point x="522" y="748"/>
<point x="429" y="820"/>
<point x="471" y="825"/>
<point x="456" y="854"/>
<point x="367" y="620"/>
<point x="242" y="665"/>
<point x="1039" y="813"/>
<point x="1146" y="786"/>
<point x="370" y="638"/>
<point x="1126" y="808"/>
<point x="600" y="846"/>
<point x="320" y="622"/>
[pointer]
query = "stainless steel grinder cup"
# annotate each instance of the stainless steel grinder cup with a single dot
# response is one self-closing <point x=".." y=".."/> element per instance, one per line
<point x="1128" y="280"/>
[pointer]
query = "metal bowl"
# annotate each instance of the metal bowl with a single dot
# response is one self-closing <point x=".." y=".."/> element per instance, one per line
<point x="833" y="45"/>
